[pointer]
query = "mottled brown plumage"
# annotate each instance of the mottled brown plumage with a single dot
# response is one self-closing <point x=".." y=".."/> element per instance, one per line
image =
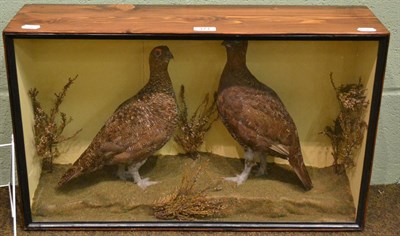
<point x="139" y="126"/>
<point x="256" y="117"/>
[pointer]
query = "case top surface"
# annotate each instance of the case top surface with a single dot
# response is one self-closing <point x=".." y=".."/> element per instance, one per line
<point x="186" y="20"/>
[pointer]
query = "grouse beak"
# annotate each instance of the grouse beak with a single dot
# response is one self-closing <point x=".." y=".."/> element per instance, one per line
<point x="170" y="56"/>
<point x="226" y="43"/>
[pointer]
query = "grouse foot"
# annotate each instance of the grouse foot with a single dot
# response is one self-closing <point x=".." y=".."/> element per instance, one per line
<point x="239" y="179"/>
<point x="249" y="163"/>
<point x="134" y="172"/>
<point x="144" y="183"/>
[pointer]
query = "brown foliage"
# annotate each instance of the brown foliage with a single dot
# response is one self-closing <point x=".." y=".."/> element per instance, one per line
<point x="187" y="202"/>
<point x="48" y="127"/>
<point x="347" y="132"/>
<point x="191" y="131"/>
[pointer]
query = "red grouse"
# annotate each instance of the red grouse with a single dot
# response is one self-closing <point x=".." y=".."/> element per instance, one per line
<point x="139" y="126"/>
<point x="256" y="117"/>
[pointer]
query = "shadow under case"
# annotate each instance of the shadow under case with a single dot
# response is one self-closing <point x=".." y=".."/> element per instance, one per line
<point x="70" y="68"/>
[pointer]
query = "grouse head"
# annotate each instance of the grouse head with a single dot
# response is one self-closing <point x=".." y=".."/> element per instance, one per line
<point x="160" y="56"/>
<point x="236" y="49"/>
<point x="235" y="43"/>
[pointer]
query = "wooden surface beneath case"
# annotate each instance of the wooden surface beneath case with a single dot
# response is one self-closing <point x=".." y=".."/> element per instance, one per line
<point x="182" y="20"/>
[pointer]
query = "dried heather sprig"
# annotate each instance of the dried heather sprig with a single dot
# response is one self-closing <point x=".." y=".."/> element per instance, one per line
<point x="47" y="131"/>
<point x="187" y="202"/>
<point x="347" y="132"/>
<point x="191" y="132"/>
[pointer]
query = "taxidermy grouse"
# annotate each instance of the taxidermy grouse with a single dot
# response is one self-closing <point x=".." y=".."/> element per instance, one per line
<point x="256" y="117"/>
<point x="139" y="126"/>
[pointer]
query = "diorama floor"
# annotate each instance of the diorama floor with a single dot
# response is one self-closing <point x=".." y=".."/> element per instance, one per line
<point x="279" y="196"/>
<point x="382" y="219"/>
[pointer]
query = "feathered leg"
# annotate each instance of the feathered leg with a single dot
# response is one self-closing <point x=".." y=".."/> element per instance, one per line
<point x="122" y="173"/>
<point x="248" y="164"/>
<point x="263" y="164"/>
<point x="133" y="170"/>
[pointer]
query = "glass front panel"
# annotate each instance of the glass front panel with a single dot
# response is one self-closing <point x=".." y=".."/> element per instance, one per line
<point x="274" y="103"/>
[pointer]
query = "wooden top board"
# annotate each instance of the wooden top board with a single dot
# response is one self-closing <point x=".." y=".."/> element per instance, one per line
<point x="188" y="20"/>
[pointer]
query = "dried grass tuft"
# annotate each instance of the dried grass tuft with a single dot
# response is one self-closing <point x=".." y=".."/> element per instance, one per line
<point x="48" y="127"/>
<point x="191" y="131"/>
<point x="187" y="202"/>
<point x="347" y="132"/>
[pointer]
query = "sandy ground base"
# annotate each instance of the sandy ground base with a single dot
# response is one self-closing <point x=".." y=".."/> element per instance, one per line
<point x="279" y="196"/>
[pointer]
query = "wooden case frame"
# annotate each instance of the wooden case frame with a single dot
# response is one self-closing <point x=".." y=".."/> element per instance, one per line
<point x="298" y="23"/>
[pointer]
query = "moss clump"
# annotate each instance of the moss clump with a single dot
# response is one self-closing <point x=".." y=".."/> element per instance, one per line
<point x="49" y="127"/>
<point x="187" y="202"/>
<point x="191" y="131"/>
<point x="347" y="131"/>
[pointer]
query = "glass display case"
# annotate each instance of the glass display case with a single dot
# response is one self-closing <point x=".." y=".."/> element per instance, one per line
<point x="195" y="117"/>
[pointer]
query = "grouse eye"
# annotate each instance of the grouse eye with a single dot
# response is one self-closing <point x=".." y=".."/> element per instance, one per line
<point x="157" y="52"/>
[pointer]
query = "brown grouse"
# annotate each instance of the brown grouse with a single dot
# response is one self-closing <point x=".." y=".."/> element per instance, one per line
<point x="140" y="126"/>
<point x="256" y="117"/>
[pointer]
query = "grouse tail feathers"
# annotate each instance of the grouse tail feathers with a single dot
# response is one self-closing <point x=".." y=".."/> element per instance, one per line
<point x="81" y="166"/>
<point x="71" y="173"/>
<point x="301" y="171"/>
